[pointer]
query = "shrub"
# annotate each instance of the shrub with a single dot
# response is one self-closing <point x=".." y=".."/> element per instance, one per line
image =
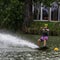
<point x="53" y="26"/>
<point x="11" y="14"/>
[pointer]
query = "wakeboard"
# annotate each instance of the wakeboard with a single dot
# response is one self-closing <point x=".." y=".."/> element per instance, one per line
<point x="43" y="48"/>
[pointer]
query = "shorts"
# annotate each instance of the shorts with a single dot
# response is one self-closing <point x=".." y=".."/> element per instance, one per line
<point x="44" y="38"/>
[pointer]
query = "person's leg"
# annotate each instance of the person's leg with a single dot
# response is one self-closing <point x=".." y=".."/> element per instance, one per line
<point x="44" y="42"/>
<point x="38" y="42"/>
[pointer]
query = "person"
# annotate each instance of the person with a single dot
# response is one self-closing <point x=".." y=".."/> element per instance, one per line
<point x="44" y="36"/>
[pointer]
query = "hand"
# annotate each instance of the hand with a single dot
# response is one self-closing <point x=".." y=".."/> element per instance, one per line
<point x="47" y="29"/>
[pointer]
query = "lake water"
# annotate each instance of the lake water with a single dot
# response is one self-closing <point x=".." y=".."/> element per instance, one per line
<point x="13" y="47"/>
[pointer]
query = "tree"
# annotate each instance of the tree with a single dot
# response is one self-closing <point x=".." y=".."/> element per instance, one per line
<point x="28" y="13"/>
<point x="45" y="2"/>
<point x="11" y="14"/>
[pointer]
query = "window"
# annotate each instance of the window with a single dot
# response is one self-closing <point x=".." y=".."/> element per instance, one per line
<point x="45" y="13"/>
<point x="54" y="11"/>
<point x="42" y="12"/>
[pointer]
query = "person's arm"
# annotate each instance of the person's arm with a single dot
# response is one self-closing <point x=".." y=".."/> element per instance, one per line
<point x="47" y="30"/>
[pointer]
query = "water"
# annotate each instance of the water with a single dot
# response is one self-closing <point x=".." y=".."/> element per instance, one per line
<point x="7" y="40"/>
<point x="15" y="48"/>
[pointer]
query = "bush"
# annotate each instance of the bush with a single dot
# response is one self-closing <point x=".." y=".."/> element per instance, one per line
<point x="11" y="14"/>
<point x="53" y="26"/>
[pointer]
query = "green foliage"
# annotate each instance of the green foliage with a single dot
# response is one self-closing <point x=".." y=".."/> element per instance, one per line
<point x="45" y="2"/>
<point x="53" y="26"/>
<point x="48" y="2"/>
<point x="11" y="14"/>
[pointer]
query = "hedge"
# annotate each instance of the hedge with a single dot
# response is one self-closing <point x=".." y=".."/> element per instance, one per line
<point x="53" y="26"/>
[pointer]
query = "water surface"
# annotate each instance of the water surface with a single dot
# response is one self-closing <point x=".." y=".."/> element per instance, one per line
<point x="13" y="47"/>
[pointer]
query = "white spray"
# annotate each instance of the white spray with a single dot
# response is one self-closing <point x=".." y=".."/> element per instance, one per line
<point x="8" y="39"/>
